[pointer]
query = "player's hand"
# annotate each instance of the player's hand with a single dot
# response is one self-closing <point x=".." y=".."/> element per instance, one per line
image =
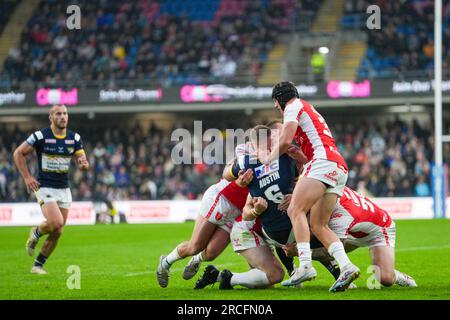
<point x="259" y="205"/>
<point x="83" y="164"/>
<point x="285" y="203"/>
<point x="244" y="178"/>
<point x="297" y="154"/>
<point x="290" y="249"/>
<point x="32" y="184"/>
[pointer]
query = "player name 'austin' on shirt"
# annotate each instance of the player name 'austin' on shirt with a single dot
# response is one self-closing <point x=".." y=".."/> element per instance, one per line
<point x="272" y="182"/>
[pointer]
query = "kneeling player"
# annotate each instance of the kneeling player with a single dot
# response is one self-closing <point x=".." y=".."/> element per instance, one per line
<point x="246" y="239"/>
<point x="358" y="222"/>
<point x="220" y="205"/>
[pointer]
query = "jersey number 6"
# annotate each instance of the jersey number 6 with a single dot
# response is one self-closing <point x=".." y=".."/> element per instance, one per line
<point x="274" y="194"/>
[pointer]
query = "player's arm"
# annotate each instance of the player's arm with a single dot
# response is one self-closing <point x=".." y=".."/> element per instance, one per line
<point x="227" y="173"/>
<point x="20" y="160"/>
<point x="253" y="208"/>
<point x="284" y="142"/>
<point x="295" y="153"/>
<point x="82" y="161"/>
<point x="234" y="172"/>
<point x="80" y="154"/>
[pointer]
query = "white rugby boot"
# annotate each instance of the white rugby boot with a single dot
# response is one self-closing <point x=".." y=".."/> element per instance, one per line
<point x="349" y="273"/>
<point x="301" y="274"/>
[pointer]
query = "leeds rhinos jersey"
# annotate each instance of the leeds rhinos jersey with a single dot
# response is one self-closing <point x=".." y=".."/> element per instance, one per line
<point x="271" y="182"/>
<point x="54" y="155"/>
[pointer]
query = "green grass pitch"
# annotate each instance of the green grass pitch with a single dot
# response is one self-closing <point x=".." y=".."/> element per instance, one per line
<point x="119" y="262"/>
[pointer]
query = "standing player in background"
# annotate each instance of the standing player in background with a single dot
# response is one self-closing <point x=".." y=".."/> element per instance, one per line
<point x="55" y="146"/>
<point x="322" y="182"/>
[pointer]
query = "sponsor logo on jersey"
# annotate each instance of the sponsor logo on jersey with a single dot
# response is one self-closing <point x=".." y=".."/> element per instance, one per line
<point x="69" y="141"/>
<point x="219" y="216"/>
<point x="336" y="215"/>
<point x="267" y="169"/>
<point x="70" y="150"/>
<point x="50" y="141"/>
<point x="330" y="176"/>
<point x="60" y="149"/>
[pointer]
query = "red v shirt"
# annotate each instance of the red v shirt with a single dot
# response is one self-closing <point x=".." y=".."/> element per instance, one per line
<point x="312" y="135"/>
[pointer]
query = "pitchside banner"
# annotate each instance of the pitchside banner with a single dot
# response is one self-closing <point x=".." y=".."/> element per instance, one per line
<point x="30" y="214"/>
<point x="83" y="213"/>
<point x="213" y="93"/>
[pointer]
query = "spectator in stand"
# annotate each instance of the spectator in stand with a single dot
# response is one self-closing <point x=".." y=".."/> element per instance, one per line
<point x="389" y="159"/>
<point x="136" y="40"/>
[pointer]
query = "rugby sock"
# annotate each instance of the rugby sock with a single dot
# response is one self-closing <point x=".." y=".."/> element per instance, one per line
<point x="37" y="234"/>
<point x="333" y="267"/>
<point x="40" y="260"/>
<point x="337" y="251"/>
<point x="288" y="262"/>
<point x="171" y="258"/>
<point x="252" y="279"/>
<point x="304" y="253"/>
<point x="198" y="257"/>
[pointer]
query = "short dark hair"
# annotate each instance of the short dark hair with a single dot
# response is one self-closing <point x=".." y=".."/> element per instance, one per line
<point x="283" y="92"/>
<point x="272" y="123"/>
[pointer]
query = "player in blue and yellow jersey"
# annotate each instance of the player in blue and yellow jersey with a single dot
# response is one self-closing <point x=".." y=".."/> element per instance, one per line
<point x="55" y="147"/>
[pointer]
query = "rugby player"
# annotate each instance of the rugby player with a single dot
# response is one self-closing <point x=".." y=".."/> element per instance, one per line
<point x="265" y="205"/>
<point x="359" y="222"/>
<point x="322" y="182"/>
<point x="55" y="146"/>
<point x="220" y="205"/>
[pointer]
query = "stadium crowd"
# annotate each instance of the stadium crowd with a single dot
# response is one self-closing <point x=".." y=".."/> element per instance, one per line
<point x="389" y="159"/>
<point x="147" y="40"/>
<point x="405" y="41"/>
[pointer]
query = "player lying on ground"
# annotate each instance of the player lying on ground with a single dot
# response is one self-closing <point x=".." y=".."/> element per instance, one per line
<point x="220" y="205"/>
<point x="267" y="201"/>
<point x="249" y="240"/>
<point x="359" y="222"/>
<point x="323" y="181"/>
<point x="55" y="146"/>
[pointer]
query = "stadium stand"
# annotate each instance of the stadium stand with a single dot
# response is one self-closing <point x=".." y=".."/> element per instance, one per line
<point x="109" y="48"/>
<point x="404" y="45"/>
<point x="6" y="9"/>
<point x="386" y="159"/>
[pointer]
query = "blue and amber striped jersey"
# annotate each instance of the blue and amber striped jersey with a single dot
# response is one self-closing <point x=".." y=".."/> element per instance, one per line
<point x="54" y="155"/>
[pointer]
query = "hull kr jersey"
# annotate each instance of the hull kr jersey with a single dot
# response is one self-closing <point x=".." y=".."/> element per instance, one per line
<point x="270" y="182"/>
<point x="54" y="155"/>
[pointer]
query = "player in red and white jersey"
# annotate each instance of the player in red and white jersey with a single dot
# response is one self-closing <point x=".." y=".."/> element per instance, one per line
<point x="220" y="205"/>
<point x="358" y="222"/>
<point x="322" y="182"/>
<point x="215" y="247"/>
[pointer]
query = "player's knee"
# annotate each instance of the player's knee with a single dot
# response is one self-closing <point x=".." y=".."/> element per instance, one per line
<point x="56" y="226"/>
<point x="294" y="210"/>
<point x="387" y="279"/>
<point x="210" y="255"/>
<point x="58" y="232"/>
<point x="275" y="276"/>
<point x="194" y="248"/>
